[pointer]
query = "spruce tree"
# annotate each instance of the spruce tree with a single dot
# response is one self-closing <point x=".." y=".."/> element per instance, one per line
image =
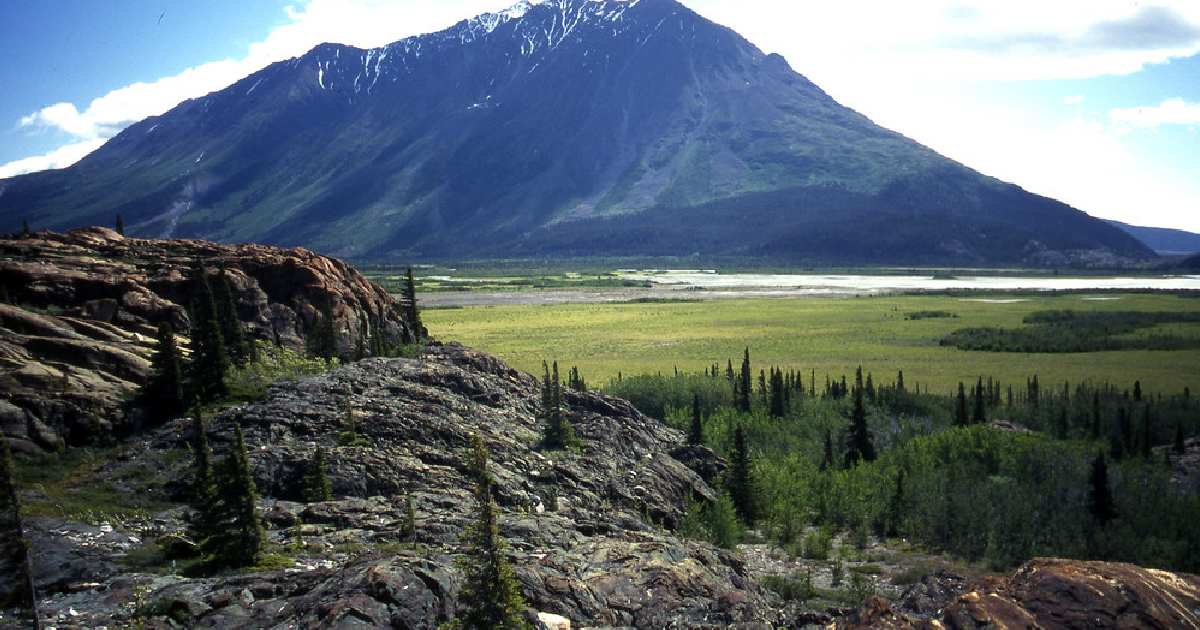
<point x="317" y="487"/>
<point x="557" y="431"/>
<point x="1137" y="391"/>
<point x="204" y="520"/>
<point x="900" y="381"/>
<point x="233" y="333"/>
<point x="164" y="392"/>
<point x="827" y="459"/>
<point x="237" y="540"/>
<point x="120" y="226"/>
<point x="1147" y="441"/>
<point x="322" y="340"/>
<point x="575" y="381"/>
<point x="25" y="231"/>
<point x="411" y="313"/>
<point x="1179" y="446"/>
<point x="740" y="480"/>
<point x="896" y="506"/>
<point x="14" y="549"/>
<point x="1061" y="427"/>
<point x="408" y="528"/>
<point x="1095" y="431"/>
<point x="491" y="594"/>
<point x="209" y="361"/>
<point x="1100" y="501"/>
<point x="859" y="446"/>
<point x="1125" y="423"/>
<point x="696" y="434"/>
<point x="778" y="402"/>
<point x="960" y="407"/>
<point x="743" y="390"/>
<point x="980" y="414"/>
<point x="1116" y="448"/>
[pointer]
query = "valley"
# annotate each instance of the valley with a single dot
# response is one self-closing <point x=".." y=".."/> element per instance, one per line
<point x="831" y="335"/>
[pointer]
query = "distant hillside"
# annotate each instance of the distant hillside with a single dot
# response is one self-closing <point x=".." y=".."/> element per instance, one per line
<point x="1163" y="240"/>
<point x="559" y="128"/>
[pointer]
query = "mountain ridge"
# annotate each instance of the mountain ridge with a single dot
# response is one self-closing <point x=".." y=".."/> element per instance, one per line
<point x="515" y="132"/>
<point x="1163" y="240"/>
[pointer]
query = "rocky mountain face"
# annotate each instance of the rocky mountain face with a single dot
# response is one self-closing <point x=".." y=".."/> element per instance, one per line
<point x="1047" y="593"/>
<point x="559" y="127"/>
<point x="77" y="327"/>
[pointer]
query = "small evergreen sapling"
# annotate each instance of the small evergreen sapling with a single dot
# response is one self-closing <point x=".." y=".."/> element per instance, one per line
<point x="210" y="360"/>
<point x="740" y="481"/>
<point x="411" y="312"/>
<point x="980" y="414"/>
<point x="960" y="407"/>
<point x="408" y="527"/>
<point x="237" y="540"/>
<point x="859" y="442"/>
<point x="317" y="487"/>
<point x="696" y="433"/>
<point x="322" y="341"/>
<point x="557" y="431"/>
<point x="164" y="392"/>
<point x="491" y="594"/>
<point x="1100" y="501"/>
<point x="240" y="347"/>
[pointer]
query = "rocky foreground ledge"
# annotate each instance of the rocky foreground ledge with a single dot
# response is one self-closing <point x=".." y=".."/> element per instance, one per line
<point x="601" y="554"/>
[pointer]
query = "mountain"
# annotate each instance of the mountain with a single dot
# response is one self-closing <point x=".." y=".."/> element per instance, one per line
<point x="559" y="127"/>
<point x="1163" y="240"/>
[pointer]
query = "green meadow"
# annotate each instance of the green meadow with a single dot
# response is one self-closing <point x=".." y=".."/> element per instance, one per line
<point x="829" y="335"/>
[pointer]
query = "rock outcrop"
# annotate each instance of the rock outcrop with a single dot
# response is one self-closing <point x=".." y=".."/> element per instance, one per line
<point x="588" y="530"/>
<point x="78" y="325"/>
<point x="1052" y="593"/>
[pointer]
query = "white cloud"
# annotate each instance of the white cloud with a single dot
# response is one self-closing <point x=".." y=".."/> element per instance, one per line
<point x="61" y="157"/>
<point x="1074" y="99"/>
<point x="1175" y="111"/>
<point x="363" y="23"/>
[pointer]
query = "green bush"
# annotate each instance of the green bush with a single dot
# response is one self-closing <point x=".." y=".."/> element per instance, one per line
<point x="817" y="545"/>
<point x="249" y="383"/>
<point x="797" y="588"/>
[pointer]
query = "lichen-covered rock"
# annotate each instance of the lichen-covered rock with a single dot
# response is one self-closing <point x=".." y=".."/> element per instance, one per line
<point x="78" y="332"/>
<point x="605" y="557"/>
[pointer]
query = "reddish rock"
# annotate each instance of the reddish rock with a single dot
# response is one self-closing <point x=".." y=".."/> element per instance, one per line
<point x="77" y="336"/>
<point x="1054" y="594"/>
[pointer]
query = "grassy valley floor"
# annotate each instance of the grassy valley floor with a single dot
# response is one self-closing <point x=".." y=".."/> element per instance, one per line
<point x="829" y="335"/>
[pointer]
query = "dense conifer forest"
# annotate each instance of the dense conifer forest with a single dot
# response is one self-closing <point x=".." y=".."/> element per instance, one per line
<point x="995" y="473"/>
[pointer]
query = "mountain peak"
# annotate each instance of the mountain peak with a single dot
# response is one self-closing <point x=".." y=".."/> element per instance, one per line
<point x="570" y="127"/>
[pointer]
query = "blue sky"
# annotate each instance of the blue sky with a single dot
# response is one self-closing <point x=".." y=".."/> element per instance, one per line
<point x="1094" y="102"/>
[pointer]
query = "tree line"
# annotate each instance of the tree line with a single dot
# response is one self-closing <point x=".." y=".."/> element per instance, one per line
<point x="1092" y="460"/>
